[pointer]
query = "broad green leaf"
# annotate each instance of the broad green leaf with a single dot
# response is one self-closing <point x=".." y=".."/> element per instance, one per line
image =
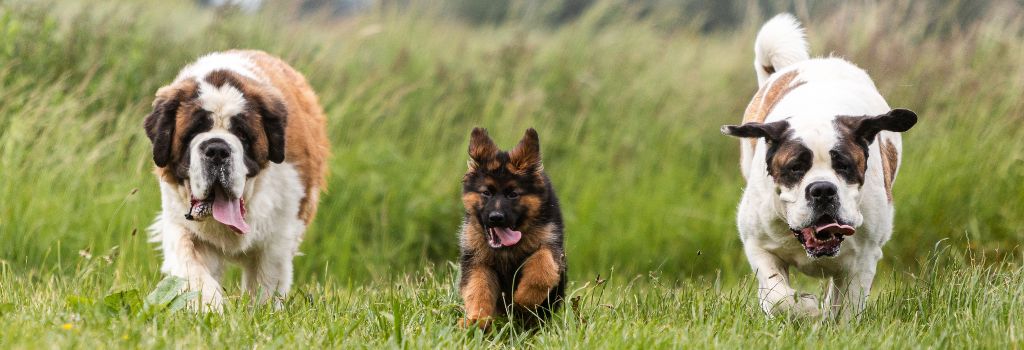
<point x="126" y="300"/>
<point x="180" y="301"/>
<point x="165" y="292"/>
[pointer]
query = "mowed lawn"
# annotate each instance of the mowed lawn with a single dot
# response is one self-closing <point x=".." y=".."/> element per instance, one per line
<point x="628" y="112"/>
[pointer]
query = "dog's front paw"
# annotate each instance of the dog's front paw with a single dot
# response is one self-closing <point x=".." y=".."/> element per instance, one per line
<point x="805" y="306"/>
<point x="483" y="323"/>
<point x="208" y="301"/>
<point x="529" y="298"/>
<point x="796" y="305"/>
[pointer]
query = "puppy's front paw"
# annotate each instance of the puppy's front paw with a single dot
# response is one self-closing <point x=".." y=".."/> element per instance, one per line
<point x="529" y="298"/>
<point x="483" y="323"/>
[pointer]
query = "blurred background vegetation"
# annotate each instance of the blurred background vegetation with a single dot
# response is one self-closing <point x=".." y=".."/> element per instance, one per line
<point x="627" y="96"/>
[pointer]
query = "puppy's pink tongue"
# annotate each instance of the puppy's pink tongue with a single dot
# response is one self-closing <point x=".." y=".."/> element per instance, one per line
<point x="507" y="236"/>
<point x="230" y="212"/>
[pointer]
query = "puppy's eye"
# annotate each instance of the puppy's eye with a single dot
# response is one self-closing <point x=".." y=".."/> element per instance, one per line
<point x="486" y="193"/>
<point x="512" y="195"/>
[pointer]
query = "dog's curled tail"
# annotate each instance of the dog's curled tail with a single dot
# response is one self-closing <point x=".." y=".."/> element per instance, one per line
<point x="780" y="43"/>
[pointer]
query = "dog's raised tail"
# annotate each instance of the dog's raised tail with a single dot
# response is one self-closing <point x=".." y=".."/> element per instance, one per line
<point x="780" y="43"/>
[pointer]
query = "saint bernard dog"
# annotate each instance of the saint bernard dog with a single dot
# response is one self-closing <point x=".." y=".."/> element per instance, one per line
<point x="240" y="147"/>
<point x="820" y="155"/>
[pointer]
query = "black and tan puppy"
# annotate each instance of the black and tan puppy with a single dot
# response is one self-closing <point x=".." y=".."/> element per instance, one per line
<point x="512" y="256"/>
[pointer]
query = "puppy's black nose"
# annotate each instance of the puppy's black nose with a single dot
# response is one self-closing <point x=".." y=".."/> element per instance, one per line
<point x="821" y="191"/>
<point x="495" y="218"/>
<point x="215" y="149"/>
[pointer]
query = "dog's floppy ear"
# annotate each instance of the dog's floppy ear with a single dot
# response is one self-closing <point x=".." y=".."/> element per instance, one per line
<point x="274" y="117"/>
<point x="525" y="158"/>
<point x="865" y="128"/>
<point x="159" y="124"/>
<point x="771" y="132"/>
<point x="481" y="147"/>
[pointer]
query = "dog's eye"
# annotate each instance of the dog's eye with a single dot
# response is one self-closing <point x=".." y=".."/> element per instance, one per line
<point x="795" y="168"/>
<point x="486" y="193"/>
<point x="512" y="195"/>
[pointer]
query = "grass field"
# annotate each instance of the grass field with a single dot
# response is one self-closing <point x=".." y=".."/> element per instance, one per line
<point x="628" y="113"/>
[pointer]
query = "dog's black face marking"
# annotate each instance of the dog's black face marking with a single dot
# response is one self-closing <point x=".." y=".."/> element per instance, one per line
<point x="505" y="199"/>
<point x="246" y="135"/>
<point x="788" y="162"/>
<point x="199" y="122"/>
<point x="850" y="155"/>
<point x="849" y="165"/>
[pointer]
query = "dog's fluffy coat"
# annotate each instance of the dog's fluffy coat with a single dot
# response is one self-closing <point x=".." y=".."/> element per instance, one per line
<point x="822" y="154"/>
<point x="241" y="132"/>
<point x="512" y="257"/>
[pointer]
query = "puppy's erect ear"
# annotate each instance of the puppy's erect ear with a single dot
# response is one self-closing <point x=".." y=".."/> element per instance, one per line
<point x="525" y="158"/>
<point x="159" y="124"/>
<point x="771" y="132"/>
<point x="865" y="128"/>
<point x="274" y="116"/>
<point x="481" y="147"/>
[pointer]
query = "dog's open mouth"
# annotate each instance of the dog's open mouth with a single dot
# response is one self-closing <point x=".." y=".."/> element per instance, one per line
<point x="226" y="210"/>
<point x="498" y="237"/>
<point x="823" y="237"/>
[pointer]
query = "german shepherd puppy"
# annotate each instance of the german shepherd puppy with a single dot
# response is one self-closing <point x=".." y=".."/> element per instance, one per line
<point x="512" y="256"/>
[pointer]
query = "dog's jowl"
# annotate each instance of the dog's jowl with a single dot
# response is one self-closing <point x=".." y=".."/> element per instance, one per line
<point x="512" y="257"/>
<point x="820" y="156"/>
<point x="240" y="149"/>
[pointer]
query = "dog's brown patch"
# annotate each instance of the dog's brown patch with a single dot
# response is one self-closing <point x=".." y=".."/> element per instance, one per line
<point x="480" y="295"/>
<point x="768" y="96"/>
<point x="787" y="156"/>
<point x="306" y="145"/>
<point x="539" y="275"/>
<point x="890" y="162"/>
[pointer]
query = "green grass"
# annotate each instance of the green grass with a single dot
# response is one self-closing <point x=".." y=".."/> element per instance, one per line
<point x="628" y="112"/>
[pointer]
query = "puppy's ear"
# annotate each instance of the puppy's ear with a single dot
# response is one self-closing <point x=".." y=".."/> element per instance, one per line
<point x="771" y="132"/>
<point x="865" y="128"/>
<point x="525" y="158"/>
<point x="481" y="147"/>
<point x="274" y="116"/>
<point x="159" y="124"/>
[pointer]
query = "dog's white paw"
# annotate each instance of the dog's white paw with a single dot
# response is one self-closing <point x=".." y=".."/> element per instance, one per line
<point x="797" y="305"/>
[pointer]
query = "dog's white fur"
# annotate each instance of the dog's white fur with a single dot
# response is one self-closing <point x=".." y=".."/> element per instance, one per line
<point x="271" y="198"/>
<point x="767" y="211"/>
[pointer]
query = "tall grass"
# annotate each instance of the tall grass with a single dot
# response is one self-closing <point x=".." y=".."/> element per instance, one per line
<point x="628" y="113"/>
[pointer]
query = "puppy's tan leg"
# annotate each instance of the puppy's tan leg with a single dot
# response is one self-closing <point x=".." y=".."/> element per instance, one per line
<point x="480" y="295"/>
<point x="539" y="275"/>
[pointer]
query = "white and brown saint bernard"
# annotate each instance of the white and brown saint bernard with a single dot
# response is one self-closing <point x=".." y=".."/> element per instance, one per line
<point x="820" y="160"/>
<point x="240" y="149"/>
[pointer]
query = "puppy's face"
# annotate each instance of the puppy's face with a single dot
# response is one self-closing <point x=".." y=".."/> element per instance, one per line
<point x="503" y="191"/>
<point x="818" y="167"/>
<point x="212" y="135"/>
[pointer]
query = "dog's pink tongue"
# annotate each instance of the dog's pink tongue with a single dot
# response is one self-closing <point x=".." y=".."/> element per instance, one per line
<point x="230" y="212"/>
<point x="507" y="236"/>
<point x="836" y="228"/>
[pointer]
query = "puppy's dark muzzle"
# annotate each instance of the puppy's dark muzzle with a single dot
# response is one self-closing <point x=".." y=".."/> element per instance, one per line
<point x="496" y="219"/>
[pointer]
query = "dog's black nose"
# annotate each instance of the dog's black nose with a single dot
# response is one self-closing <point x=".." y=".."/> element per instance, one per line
<point x="215" y="149"/>
<point x="821" y="191"/>
<point x="495" y="218"/>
